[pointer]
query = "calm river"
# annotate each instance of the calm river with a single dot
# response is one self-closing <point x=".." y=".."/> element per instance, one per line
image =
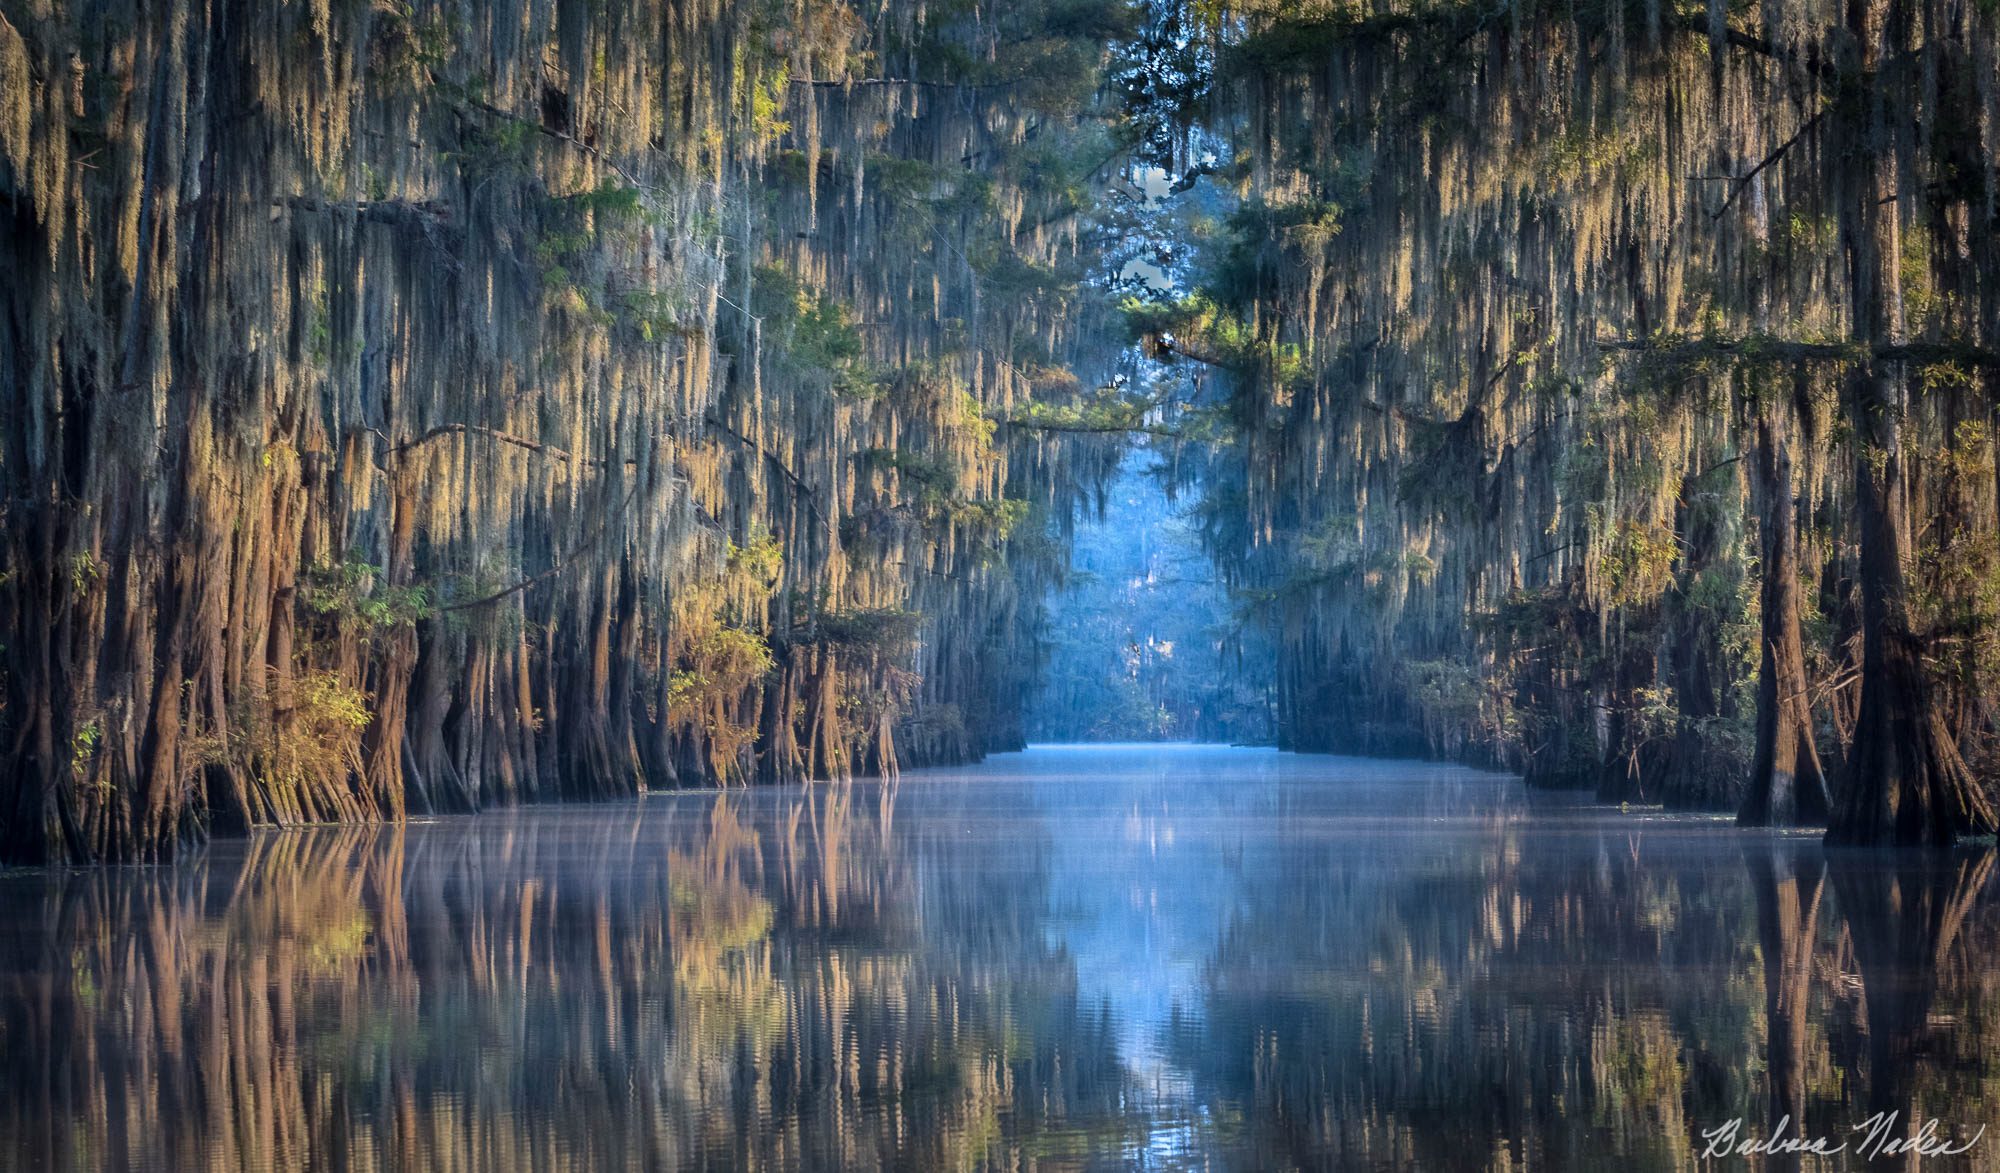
<point x="1096" y="957"/>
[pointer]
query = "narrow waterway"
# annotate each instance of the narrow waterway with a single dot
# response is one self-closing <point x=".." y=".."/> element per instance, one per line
<point x="1070" y="958"/>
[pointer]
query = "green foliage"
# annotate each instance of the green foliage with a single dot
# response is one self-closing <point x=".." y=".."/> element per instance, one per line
<point x="995" y="520"/>
<point x="497" y="148"/>
<point x="1197" y="319"/>
<point x="757" y="564"/>
<point x="963" y="413"/>
<point x="767" y="101"/>
<point x="1955" y="576"/>
<point x="724" y="661"/>
<point x="405" y="50"/>
<point x="808" y="333"/>
<point x="1010" y="275"/>
<point x="83" y="747"/>
<point x="303" y="737"/>
<point x="719" y="653"/>
<point x="1637" y="562"/>
<point x="612" y="202"/>
<point x="908" y="182"/>
<point x="85" y="572"/>
<point x="1454" y="700"/>
<point x="656" y="315"/>
<point x="1109" y="413"/>
<point x="319" y="326"/>
<point x="1582" y="153"/>
<point x="570" y="258"/>
<point x="353" y="595"/>
<point x="876" y="631"/>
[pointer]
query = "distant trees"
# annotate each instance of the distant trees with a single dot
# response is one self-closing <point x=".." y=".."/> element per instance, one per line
<point x="1144" y="641"/>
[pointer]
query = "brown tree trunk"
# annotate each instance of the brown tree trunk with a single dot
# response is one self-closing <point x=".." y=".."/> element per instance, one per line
<point x="1787" y="786"/>
<point x="1907" y="783"/>
<point x="1624" y="767"/>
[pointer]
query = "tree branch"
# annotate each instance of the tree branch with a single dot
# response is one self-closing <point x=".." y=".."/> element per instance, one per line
<point x="1784" y="350"/>
<point x="803" y="489"/>
<point x="495" y="434"/>
<point x="848" y="82"/>
<point x="1743" y="181"/>
<point x="420" y="213"/>
<point x="1090" y="429"/>
<point x="560" y="136"/>
<point x="562" y="563"/>
<point x="1179" y="349"/>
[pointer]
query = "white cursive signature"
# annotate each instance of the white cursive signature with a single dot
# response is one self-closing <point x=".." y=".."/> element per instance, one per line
<point x="1877" y="1139"/>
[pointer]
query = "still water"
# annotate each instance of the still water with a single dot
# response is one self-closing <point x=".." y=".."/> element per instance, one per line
<point x="1097" y="957"/>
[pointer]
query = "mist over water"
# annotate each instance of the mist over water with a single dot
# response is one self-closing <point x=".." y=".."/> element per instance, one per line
<point x="1075" y="957"/>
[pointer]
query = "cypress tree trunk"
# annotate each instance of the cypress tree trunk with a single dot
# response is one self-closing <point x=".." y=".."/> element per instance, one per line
<point x="1787" y="786"/>
<point x="1691" y="777"/>
<point x="1907" y="784"/>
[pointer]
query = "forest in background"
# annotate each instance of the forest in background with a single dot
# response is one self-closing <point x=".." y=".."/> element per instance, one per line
<point x="425" y="405"/>
<point x="1143" y="641"/>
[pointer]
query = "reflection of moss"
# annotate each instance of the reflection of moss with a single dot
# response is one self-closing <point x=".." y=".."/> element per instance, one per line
<point x="335" y="943"/>
<point x="83" y="980"/>
<point x="1645" y="1066"/>
<point x="721" y="923"/>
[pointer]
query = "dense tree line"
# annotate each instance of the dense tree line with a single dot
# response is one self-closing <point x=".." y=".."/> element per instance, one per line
<point x="425" y="406"/>
<point x="428" y="405"/>
<point x="1613" y="385"/>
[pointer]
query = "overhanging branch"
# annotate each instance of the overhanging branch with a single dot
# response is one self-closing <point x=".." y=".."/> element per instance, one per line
<point x="1743" y="181"/>
<point x="799" y="486"/>
<point x="496" y="434"/>
<point x="1785" y="350"/>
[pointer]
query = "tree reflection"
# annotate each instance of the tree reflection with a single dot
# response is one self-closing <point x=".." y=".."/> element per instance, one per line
<point x="1481" y="1003"/>
<point x="694" y="985"/>
<point x="1906" y="919"/>
<point x="867" y="976"/>
<point x="1787" y="886"/>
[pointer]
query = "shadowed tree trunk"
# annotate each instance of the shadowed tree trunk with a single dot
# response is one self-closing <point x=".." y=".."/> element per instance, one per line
<point x="1907" y="783"/>
<point x="1787" y="786"/>
<point x="1627" y="763"/>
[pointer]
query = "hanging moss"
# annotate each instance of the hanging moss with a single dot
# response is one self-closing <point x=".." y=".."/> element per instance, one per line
<point x="1508" y="289"/>
<point x="420" y="406"/>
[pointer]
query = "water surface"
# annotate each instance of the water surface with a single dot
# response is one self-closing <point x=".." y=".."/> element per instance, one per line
<point x="1072" y="958"/>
